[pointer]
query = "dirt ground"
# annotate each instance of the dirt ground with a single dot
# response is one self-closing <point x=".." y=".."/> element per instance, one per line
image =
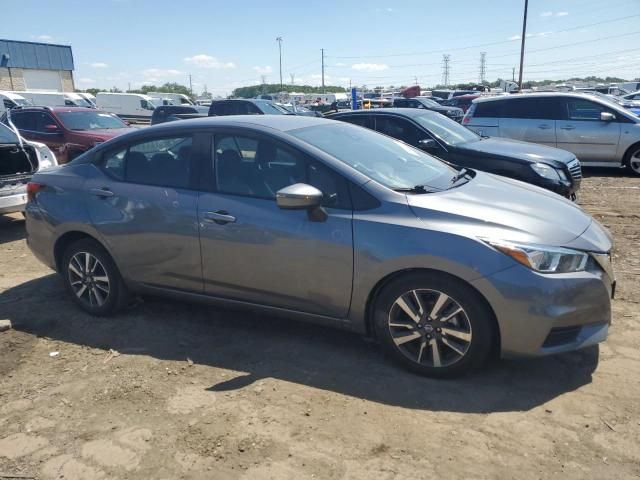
<point x="195" y="392"/>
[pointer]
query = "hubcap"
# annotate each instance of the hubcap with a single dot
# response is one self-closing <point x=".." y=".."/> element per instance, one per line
<point x="634" y="162"/>
<point x="89" y="279"/>
<point x="430" y="328"/>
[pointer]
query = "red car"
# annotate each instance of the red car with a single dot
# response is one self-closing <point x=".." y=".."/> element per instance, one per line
<point x="67" y="131"/>
<point x="462" y="101"/>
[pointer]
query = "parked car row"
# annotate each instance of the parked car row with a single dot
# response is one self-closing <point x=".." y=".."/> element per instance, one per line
<point x="329" y="222"/>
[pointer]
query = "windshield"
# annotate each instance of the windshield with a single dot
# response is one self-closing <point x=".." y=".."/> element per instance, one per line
<point x="390" y="162"/>
<point x="21" y="101"/>
<point x="450" y="132"/>
<point x="90" y="121"/>
<point x="272" y="109"/>
<point x="428" y="103"/>
<point x="7" y="135"/>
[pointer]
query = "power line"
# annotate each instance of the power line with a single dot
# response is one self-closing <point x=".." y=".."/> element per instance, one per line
<point x="480" y="45"/>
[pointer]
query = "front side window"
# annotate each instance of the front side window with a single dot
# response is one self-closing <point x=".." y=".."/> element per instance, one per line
<point x="145" y="104"/>
<point x="44" y="120"/>
<point x="25" y="120"/>
<point x="388" y="161"/>
<point x="360" y="120"/>
<point x="259" y="168"/>
<point x="579" y="109"/>
<point x="398" y="128"/>
<point x="447" y="130"/>
<point x="164" y="162"/>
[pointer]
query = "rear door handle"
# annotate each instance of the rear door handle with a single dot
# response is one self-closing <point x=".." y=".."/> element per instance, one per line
<point x="220" y="217"/>
<point x="568" y="127"/>
<point x="544" y="126"/>
<point x="101" y="192"/>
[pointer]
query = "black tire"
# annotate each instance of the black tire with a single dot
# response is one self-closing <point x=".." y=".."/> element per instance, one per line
<point x="632" y="155"/>
<point x="114" y="299"/>
<point x="475" y="321"/>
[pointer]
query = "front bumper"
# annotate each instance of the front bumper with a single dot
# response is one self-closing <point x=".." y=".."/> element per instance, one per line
<point x="545" y="314"/>
<point x="14" y="202"/>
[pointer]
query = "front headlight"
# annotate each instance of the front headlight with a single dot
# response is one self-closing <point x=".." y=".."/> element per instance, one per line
<point x="451" y="113"/>
<point x="543" y="259"/>
<point x="547" y="171"/>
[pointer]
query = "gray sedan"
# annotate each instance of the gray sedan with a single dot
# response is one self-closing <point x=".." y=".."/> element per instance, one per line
<point x="330" y="223"/>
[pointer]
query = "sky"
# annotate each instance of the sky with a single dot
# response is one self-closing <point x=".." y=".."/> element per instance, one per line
<point x="227" y="44"/>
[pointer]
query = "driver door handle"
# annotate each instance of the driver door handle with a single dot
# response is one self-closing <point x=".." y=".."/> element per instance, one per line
<point x="101" y="192"/>
<point x="220" y="217"/>
<point x="544" y="126"/>
<point x="568" y="127"/>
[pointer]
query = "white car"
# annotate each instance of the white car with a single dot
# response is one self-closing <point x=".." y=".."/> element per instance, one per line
<point x="19" y="160"/>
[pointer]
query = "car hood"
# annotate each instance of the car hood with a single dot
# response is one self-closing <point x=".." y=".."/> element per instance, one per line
<point x="104" y="134"/>
<point x="494" y="207"/>
<point x="525" y="151"/>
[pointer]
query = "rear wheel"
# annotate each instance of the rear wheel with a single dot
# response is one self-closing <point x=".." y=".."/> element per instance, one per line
<point x="633" y="160"/>
<point x="92" y="278"/>
<point x="433" y="324"/>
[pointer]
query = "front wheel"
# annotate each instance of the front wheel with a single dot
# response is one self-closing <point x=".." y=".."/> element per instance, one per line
<point x="92" y="278"/>
<point x="633" y="160"/>
<point x="434" y="324"/>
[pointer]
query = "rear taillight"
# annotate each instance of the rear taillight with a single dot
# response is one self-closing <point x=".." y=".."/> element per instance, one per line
<point x="466" y="119"/>
<point x="32" y="189"/>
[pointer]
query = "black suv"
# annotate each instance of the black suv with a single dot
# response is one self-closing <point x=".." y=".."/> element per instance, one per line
<point x="546" y="167"/>
<point x="251" y="106"/>
<point x="453" y="113"/>
<point x="169" y="113"/>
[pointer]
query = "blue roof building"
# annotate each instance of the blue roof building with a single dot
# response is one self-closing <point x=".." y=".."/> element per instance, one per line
<point x="35" y="66"/>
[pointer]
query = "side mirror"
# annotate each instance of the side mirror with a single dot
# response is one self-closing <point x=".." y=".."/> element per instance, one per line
<point x="427" y="143"/>
<point x="51" y="128"/>
<point x="299" y="196"/>
<point x="607" y="117"/>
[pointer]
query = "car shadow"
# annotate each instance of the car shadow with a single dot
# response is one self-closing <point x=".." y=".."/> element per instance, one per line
<point x="11" y="228"/>
<point x="261" y="346"/>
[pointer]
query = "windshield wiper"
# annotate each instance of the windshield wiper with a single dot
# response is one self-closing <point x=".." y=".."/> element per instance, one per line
<point x="417" y="189"/>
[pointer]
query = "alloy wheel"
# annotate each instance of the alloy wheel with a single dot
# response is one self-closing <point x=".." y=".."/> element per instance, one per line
<point x="634" y="162"/>
<point x="430" y="328"/>
<point x="89" y="279"/>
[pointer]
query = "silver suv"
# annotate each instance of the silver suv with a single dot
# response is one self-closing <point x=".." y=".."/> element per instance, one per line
<point x="600" y="133"/>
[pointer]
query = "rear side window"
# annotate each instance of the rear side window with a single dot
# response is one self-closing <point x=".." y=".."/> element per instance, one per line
<point x="488" y="109"/>
<point x="25" y="120"/>
<point x="533" y="107"/>
<point x="360" y="120"/>
<point x="164" y="162"/>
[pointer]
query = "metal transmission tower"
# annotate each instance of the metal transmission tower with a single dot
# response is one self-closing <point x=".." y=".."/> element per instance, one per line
<point x="293" y="78"/>
<point x="483" y="67"/>
<point x="445" y="69"/>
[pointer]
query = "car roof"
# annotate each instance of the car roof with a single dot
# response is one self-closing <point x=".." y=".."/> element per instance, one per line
<point x="36" y="108"/>
<point x="483" y="99"/>
<point x="403" y="112"/>
<point x="282" y="123"/>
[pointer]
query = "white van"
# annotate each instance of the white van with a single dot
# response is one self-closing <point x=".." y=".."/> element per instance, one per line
<point x="54" y="99"/>
<point x="9" y="100"/>
<point x="88" y="97"/>
<point x="174" y="98"/>
<point x="128" y="106"/>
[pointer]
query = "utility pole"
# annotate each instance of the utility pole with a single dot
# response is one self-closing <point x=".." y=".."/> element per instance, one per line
<point x="416" y="80"/>
<point x="445" y="69"/>
<point x="129" y="83"/>
<point x="322" y="50"/>
<point x="190" y="85"/>
<point x="279" y="40"/>
<point x="264" y="80"/>
<point x="513" y="74"/>
<point x="483" y="64"/>
<point x="524" y="36"/>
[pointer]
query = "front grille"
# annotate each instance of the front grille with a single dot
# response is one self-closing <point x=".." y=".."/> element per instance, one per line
<point x="575" y="169"/>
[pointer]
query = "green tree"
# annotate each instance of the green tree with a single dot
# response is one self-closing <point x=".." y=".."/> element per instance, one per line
<point x="274" y="88"/>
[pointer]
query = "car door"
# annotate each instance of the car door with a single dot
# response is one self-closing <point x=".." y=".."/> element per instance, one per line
<point x="142" y="201"/>
<point x="530" y="119"/>
<point x="42" y="127"/>
<point x="584" y="133"/>
<point x="254" y="251"/>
